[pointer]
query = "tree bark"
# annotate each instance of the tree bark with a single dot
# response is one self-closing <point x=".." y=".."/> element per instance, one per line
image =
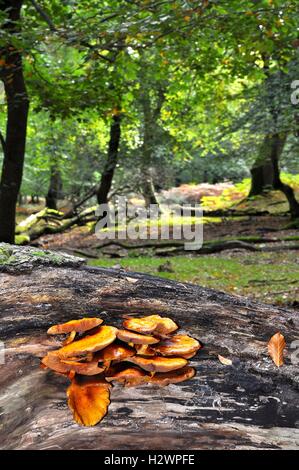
<point x="148" y="189"/>
<point x="251" y="404"/>
<point x="111" y="162"/>
<point x="55" y="188"/>
<point x="278" y="143"/>
<point x="149" y="123"/>
<point x="262" y="172"/>
<point x="266" y="172"/>
<point x="17" y="113"/>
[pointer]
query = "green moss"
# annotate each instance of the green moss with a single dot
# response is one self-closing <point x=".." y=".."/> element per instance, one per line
<point x="48" y="255"/>
<point x="22" y="239"/>
<point x="4" y="255"/>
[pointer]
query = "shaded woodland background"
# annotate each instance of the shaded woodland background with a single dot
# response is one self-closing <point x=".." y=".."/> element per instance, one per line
<point x="173" y="103"/>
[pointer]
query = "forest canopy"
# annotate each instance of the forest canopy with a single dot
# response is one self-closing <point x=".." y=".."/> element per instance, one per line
<point x="144" y="95"/>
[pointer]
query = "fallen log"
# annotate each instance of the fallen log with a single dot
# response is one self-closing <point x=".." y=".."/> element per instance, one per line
<point x="50" y="221"/>
<point x="251" y="404"/>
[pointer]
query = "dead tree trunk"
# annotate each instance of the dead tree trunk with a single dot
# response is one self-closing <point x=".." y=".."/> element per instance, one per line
<point x="251" y="404"/>
<point x="11" y="73"/>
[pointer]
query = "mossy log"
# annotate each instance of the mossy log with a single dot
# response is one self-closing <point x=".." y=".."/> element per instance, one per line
<point x="50" y="221"/>
<point x="251" y="404"/>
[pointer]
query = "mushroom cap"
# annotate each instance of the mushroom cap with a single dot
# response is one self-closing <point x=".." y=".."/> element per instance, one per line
<point x="151" y="324"/>
<point x="84" y="368"/>
<point x="88" y="401"/>
<point x="52" y="361"/>
<point x="104" y="336"/>
<point x="173" y="377"/>
<point x="178" y="345"/>
<point x="144" y="350"/>
<point x="158" y="364"/>
<point x="114" y="352"/>
<point x="131" y="337"/>
<point x="129" y="376"/>
<point x="79" y="326"/>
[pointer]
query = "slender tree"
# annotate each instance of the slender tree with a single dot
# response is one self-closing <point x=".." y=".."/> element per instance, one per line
<point x="11" y="74"/>
<point x="111" y="162"/>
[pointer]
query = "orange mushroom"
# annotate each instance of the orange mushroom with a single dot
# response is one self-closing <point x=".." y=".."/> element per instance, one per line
<point x="79" y="326"/>
<point x="158" y="364"/>
<point x="70" y="338"/>
<point x="88" y="400"/>
<point x="53" y="362"/>
<point x="178" y="345"/>
<point x="91" y="343"/>
<point x="84" y="368"/>
<point x="114" y="352"/>
<point x="135" y="338"/>
<point x="173" y="377"/>
<point x="152" y="324"/>
<point x="89" y="391"/>
<point x="144" y="350"/>
<point x="128" y="376"/>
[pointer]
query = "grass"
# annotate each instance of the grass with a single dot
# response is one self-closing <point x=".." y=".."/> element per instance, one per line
<point x="268" y="277"/>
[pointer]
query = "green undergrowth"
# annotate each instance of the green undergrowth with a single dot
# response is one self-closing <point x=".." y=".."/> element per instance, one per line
<point x="268" y="277"/>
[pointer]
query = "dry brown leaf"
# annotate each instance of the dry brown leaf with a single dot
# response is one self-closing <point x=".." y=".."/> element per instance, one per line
<point x="79" y="326"/>
<point x="91" y="343"/>
<point x="151" y="324"/>
<point x="158" y="364"/>
<point x="276" y="347"/>
<point x="224" y="360"/>
<point x="88" y="401"/>
<point x="135" y="338"/>
<point x="178" y="345"/>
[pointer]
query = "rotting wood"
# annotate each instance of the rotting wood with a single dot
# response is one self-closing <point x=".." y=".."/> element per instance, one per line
<point x="251" y="404"/>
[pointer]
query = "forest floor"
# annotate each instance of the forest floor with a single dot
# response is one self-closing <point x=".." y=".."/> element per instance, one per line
<point x="270" y="276"/>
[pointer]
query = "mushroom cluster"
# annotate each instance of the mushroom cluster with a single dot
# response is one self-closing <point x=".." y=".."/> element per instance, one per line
<point x="145" y="351"/>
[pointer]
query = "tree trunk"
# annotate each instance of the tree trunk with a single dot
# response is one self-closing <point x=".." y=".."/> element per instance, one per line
<point x="147" y="184"/>
<point x="266" y="172"/>
<point x="257" y="181"/>
<point x="17" y="113"/>
<point x="55" y="188"/>
<point x="148" y="190"/>
<point x="278" y="143"/>
<point x="111" y="162"/>
<point x="20" y="199"/>
<point x="251" y="404"/>
<point x="262" y="170"/>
